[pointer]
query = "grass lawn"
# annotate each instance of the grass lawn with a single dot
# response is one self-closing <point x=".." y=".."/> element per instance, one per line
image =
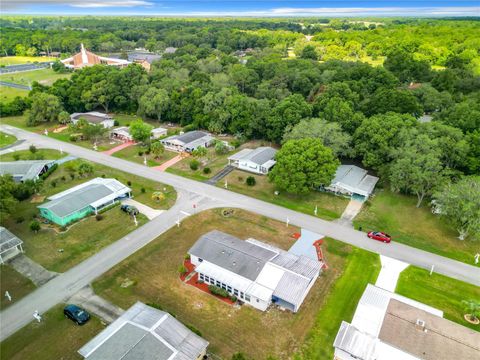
<point x="47" y="154"/>
<point x="54" y="338"/>
<point x="43" y="76"/>
<point x="153" y="271"/>
<point x="417" y="227"/>
<point x="8" y="93"/>
<point x="6" y="139"/>
<point x="131" y="153"/>
<point x="87" y="236"/>
<point x="16" y="284"/>
<point x="21" y="122"/>
<point x="18" y="60"/>
<point x="329" y="206"/>
<point x="439" y="291"/>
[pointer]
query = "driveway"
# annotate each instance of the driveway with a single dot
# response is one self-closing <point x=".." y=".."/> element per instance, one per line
<point x="169" y="163"/>
<point x="149" y="212"/>
<point x="31" y="270"/>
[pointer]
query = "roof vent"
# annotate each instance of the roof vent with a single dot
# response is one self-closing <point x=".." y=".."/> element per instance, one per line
<point x="234" y="263"/>
<point x="420" y="325"/>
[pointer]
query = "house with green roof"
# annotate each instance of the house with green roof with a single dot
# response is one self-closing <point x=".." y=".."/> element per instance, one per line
<point x="82" y="200"/>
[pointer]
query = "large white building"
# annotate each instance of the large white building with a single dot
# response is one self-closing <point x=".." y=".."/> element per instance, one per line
<point x="258" y="161"/>
<point x="388" y="326"/>
<point x="86" y="58"/>
<point x="188" y="142"/>
<point x="256" y="273"/>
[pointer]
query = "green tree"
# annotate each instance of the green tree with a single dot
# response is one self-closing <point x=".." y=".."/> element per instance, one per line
<point x="200" y="152"/>
<point x="309" y="52"/>
<point x="459" y="204"/>
<point x="35" y="226"/>
<point x="140" y="131"/>
<point x="303" y="165"/>
<point x="94" y="132"/>
<point x="153" y="103"/>
<point x="63" y="117"/>
<point x="221" y="148"/>
<point x="85" y="169"/>
<point x="157" y="149"/>
<point x="330" y="134"/>
<point x="45" y="108"/>
<point x="7" y="200"/>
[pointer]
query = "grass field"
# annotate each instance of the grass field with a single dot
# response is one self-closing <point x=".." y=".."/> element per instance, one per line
<point x="439" y="291"/>
<point x="40" y="154"/>
<point x="132" y="154"/>
<point x="16" y="284"/>
<point x="6" y="139"/>
<point x="55" y="338"/>
<point x="60" y="251"/>
<point x="18" y="60"/>
<point x="397" y="215"/>
<point x="329" y="206"/>
<point x="153" y="270"/>
<point x="8" y="93"/>
<point x="43" y="76"/>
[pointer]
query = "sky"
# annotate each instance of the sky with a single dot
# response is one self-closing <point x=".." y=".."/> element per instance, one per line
<point x="321" y="8"/>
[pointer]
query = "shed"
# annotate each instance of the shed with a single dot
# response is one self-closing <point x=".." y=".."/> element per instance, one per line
<point x="121" y="133"/>
<point x="23" y="170"/>
<point x="10" y="245"/>
<point x="159" y="132"/>
<point x="143" y="332"/>
<point x="258" y="161"/>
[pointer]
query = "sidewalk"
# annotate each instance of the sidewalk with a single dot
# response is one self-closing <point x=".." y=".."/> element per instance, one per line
<point x="391" y="269"/>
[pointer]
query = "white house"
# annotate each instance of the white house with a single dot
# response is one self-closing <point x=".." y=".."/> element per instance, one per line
<point x="143" y="333"/>
<point x="352" y="180"/>
<point x="256" y="273"/>
<point x="10" y="245"/>
<point x="258" y="161"/>
<point x="23" y="170"/>
<point x="188" y="142"/>
<point x="121" y="133"/>
<point x="159" y="132"/>
<point x="94" y="118"/>
<point x="388" y="326"/>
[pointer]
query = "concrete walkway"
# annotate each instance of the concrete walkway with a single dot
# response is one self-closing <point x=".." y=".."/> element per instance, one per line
<point x="119" y="147"/>
<point x="391" y="269"/>
<point x="94" y="304"/>
<point x="15" y="144"/>
<point x="31" y="270"/>
<point x="149" y="212"/>
<point x="169" y="163"/>
<point x="353" y="208"/>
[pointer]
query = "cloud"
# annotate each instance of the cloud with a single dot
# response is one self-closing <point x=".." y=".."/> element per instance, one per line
<point x="383" y="11"/>
<point x="26" y="4"/>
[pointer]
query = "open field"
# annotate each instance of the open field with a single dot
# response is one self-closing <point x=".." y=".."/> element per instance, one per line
<point x="8" y="93"/>
<point x="58" y="251"/>
<point x="153" y="271"/>
<point x="131" y="153"/>
<point x="439" y="291"/>
<point x="18" y="60"/>
<point x="6" y="139"/>
<point x="329" y="206"/>
<point x="54" y="338"/>
<point x="43" y="76"/>
<point x="397" y="215"/>
<point x="40" y="154"/>
<point x="16" y="284"/>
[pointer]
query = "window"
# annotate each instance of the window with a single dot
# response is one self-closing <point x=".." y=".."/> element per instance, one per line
<point x="212" y="281"/>
<point x="218" y="283"/>
<point x="229" y="288"/>
<point x="207" y="278"/>
<point x="201" y="277"/>
<point x="247" y="297"/>
<point x="241" y="295"/>
<point x="200" y="260"/>
<point x="235" y="292"/>
<point x="224" y="287"/>
<point x="258" y="300"/>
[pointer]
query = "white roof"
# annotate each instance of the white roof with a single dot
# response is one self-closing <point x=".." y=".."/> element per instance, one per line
<point x="218" y="273"/>
<point x="354" y="179"/>
<point x="159" y="129"/>
<point x="123" y="130"/>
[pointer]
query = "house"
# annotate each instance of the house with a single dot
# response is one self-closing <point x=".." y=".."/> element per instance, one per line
<point x="23" y="170"/>
<point x="94" y="118"/>
<point x="188" y="142"/>
<point x="86" y="58"/>
<point x="352" y="180"/>
<point x="82" y="200"/>
<point x="143" y="332"/>
<point x="145" y="59"/>
<point x="10" y="245"/>
<point x="121" y="133"/>
<point x="159" y="132"/>
<point x="388" y="326"/>
<point x="258" y="161"/>
<point x="425" y="118"/>
<point x="256" y="273"/>
<point x="170" y="50"/>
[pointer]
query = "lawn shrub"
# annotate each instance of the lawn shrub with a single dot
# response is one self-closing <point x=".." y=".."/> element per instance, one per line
<point x="140" y="153"/>
<point x="251" y="181"/>
<point x="33" y="149"/>
<point x="16" y="157"/>
<point x="194" y="164"/>
<point x="53" y="183"/>
<point x="235" y="143"/>
<point x="35" y="226"/>
<point x="106" y="208"/>
<point x="155" y="305"/>
<point x="98" y="217"/>
<point x="116" y="123"/>
<point x="47" y="173"/>
<point x="187" y="257"/>
<point x="129" y="183"/>
<point x="215" y="290"/>
<point x="240" y="178"/>
<point x="143" y="190"/>
<point x="72" y="176"/>
<point x="19" y="219"/>
<point x="182" y="270"/>
<point x="207" y="170"/>
<point x="73" y="138"/>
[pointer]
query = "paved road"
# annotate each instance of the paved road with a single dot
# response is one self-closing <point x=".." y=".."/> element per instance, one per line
<point x="23" y="67"/>
<point x="205" y="196"/>
<point x="16" y="86"/>
<point x="67" y="284"/>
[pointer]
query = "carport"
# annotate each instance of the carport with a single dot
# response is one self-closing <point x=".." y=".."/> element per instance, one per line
<point x="10" y="245"/>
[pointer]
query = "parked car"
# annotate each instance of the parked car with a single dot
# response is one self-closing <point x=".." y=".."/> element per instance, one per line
<point x="380" y="236"/>
<point x="76" y="314"/>
<point x="129" y="209"/>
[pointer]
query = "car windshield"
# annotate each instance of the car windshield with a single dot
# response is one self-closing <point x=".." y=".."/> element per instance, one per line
<point x="80" y="312"/>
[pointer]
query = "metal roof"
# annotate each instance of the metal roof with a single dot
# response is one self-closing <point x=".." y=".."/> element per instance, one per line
<point x="356" y="343"/>
<point x="8" y="240"/>
<point x="259" y="156"/>
<point x="354" y="179"/>
<point x="292" y="288"/>
<point x="24" y="169"/>
<point x="143" y="332"/>
<point x="91" y="193"/>
<point x="188" y="137"/>
<point x="240" y="257"/>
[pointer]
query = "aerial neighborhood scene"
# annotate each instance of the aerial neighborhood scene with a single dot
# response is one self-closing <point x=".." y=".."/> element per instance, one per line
<point x="236" y="180"/>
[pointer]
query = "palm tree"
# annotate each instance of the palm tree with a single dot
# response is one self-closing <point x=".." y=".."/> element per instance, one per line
<point x="473" y="309"/>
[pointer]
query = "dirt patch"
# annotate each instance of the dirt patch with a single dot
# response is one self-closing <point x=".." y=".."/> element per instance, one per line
<point x="60" y="129"/>
<point x="37" y="199"/>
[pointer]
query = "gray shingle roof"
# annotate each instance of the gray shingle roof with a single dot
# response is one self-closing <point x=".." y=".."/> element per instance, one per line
<point x="23" y="169"/>
<point x="259" y="156"/>
<point x="240" y="257"/>
<point x="77" y="200"/>
<point x="355" y="178"/>
<point x="191" y="136"/>
<point x="8" y="240"/>
<point x="143" y="332"/>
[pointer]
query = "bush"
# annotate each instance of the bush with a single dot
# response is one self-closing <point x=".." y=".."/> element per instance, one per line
<point x="155" y="305"/>
<point x="116" y="123"/>
<point x="72" y="176"/>
<point x="98" y="217"/>
<point x="240" y="178"/>
<point x="207" y="170"/>
<point x="129" y="183"/>
<point x="53" y="183"/>
<point x="19" y="219"/>
<point x="50" y="170"/>
<point x="63" y="228"/>
<point x="32" y="149"/>
<point x="143" y="190"/>
<point x="182" y="270"/>
<point x="194" y="164"/>
<point x="187" y="257"/>
<point x="73" y="138"/>
<point x="63" y="178"/>
<point x="235" y="143"/>
<point x="215" y="290"/>
<point x="140" y="153"/>
<point x="16" y="157"/>
<point x="35" y="226"/>
<point x="194" y="329"/>
<point x="221" y="148"/>
<point x="251" y="181"/>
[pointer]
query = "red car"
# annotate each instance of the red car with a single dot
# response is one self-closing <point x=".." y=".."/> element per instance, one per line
<point x="380" y="236"/>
